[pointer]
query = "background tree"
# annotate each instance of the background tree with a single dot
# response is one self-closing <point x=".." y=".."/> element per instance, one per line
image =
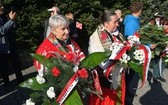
<point x="32" y="13"/>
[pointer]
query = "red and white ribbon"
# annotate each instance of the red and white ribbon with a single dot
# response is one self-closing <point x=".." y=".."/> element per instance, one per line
<point x="115" y="56"/>
<point x="82" y="73"/>
<point x="67" y="89"/>
<point x="136" y="35"/>
<point x="147" y="52"/>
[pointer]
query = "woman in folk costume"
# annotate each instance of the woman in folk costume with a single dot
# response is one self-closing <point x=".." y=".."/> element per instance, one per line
<point x="111" y="84"/>
<point x="59" y="42"/>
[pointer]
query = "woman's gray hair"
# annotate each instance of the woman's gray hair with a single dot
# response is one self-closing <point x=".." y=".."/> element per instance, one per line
<point x="56" y="21"/>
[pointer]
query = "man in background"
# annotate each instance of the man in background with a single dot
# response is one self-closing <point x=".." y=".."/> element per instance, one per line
<point x="156" y="20"/>
<point x="120" y="21"/>
<point x="54" y="11"/>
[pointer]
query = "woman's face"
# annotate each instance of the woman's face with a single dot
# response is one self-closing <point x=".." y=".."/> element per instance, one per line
<point x="113" y="24"/>
<point x="62" y="32"/>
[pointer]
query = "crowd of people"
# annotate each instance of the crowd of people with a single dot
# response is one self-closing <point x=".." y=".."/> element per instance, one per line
<point x="113" y="28"/>
<point x="60" y="36"/>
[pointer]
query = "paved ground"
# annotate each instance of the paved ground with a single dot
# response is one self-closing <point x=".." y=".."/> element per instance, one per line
<point x="150" y="94"/>
<point x="153" y="93"/>
<point x="15" y="95"/>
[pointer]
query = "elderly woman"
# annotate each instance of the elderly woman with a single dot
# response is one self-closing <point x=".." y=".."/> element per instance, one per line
<point x="58" y="43"/>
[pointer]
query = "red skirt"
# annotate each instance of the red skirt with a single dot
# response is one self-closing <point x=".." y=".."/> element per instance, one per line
<point x="109" y="98"/>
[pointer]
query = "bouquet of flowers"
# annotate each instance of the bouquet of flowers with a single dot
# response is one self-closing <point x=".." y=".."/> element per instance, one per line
<point x="61" y="81"/>
<point x="138" y="59"/>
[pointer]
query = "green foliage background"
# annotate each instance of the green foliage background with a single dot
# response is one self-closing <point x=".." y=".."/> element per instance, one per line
<point x="32" y="13"/>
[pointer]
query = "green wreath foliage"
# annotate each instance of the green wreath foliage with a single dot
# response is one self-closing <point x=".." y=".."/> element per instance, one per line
<point x="151" y="34"/>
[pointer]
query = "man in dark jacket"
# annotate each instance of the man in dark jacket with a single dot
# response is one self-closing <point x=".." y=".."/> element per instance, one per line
<point x="8" y="53"/>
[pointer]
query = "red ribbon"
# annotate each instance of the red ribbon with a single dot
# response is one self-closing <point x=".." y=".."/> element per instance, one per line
<point x="123" y="88"/>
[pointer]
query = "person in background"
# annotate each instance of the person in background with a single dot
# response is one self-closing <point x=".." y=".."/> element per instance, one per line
<point x="77" y="31"/>
<point x="157" y="73"/>
<point x="132" y="21"/>
<point x="8" y="51"/>
<point x="53" y="11"/>
<point x="165" y="26"/>
<point x="73" y="25"/>
<point x="131" y="26"/>
<point x="156" y="20"/>
<point x="157" y="67"/>
<point x="120" y="24"/>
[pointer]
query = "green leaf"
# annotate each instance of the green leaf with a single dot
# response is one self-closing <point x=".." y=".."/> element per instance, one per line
<point x="46" y="62"/>
<point x="49" y="102"/>
<point x="94" y="59"/>
<point x="73" y="99"/>
<point x="35" y="95"/>
<point x="54" y="103"/>
<point x="33" y="84"/>
<point x="137" y="68"/>
<point x="46" y="102"/>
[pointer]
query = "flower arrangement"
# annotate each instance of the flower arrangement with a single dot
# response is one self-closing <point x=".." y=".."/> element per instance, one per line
<point x="138" y="59"/>
<point x="133" y="55"/>
<point x="61" y="81"/>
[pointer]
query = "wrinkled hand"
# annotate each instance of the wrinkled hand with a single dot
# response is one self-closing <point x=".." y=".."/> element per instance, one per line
<point x="12" y="15"/>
